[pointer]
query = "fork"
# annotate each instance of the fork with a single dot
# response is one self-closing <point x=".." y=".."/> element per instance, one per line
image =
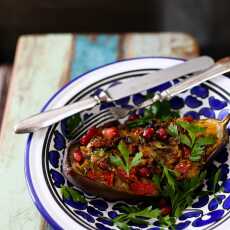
<point x="119" y="113"/>
<point x="220" y="67"/>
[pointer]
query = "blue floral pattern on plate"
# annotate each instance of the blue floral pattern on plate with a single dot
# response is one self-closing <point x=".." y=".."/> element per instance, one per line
<point x="199" y="102"/>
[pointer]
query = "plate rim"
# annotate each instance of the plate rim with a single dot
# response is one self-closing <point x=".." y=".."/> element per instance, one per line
<point x="32" y="191"/>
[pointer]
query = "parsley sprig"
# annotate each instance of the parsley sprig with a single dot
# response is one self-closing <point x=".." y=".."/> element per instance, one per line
<point x="170" y="176"/>
<point x="125" y="160"/>
<point x="197" y="145"/>
<point x="70" y="193"/>
<point x="135" y="215"/>
<point x="183" y="193"/>
<point x="159" y="110"/>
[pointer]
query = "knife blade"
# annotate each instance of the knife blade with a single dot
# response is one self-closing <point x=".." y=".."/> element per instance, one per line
<point x="52" y="116"/>
<point x="158" y="77"/>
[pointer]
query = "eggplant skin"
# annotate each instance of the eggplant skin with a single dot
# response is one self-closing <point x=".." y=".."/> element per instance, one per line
<point x="96" y="188"/>
<point x="108" y="193"/>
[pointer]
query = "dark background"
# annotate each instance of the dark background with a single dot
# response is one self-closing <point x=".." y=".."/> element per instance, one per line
<point x="206" y="20"/>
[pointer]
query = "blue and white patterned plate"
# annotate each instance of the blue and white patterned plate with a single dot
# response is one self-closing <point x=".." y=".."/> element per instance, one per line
<point x="45" y="149"/>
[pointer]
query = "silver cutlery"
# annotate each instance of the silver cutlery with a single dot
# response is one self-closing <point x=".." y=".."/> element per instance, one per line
<point x="220" y="67"/>
<point x="128" y="88"/>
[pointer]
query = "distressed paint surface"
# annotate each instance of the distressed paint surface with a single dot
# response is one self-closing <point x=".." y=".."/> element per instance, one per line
<point x="160" y="44"/>
<point x="42" y="65"/>
<point x="93" y="51"/>
<point x="33" y="81"/>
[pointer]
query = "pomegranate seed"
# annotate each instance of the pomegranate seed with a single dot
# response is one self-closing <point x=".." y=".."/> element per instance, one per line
<point x="133" y="117"/>
<point x="161" y="134"/>
<point x="186" y="152"/>
<point x="166" y="210"/>
<point x="188" y="118"/>
<point x="148" y="133"/>
<point x="85" y="139"/>
<point x="103" y="164"/>
<point x="92" y="131"/>
<point x="145" y="172"/>
<point x="110" y="133"/>
<point x="78" y="156"/>
<point x="133" y="148"/>
<point x="183" y="167"/>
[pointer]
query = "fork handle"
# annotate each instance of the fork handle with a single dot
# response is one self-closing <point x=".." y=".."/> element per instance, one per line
<point x="220" y="67"/>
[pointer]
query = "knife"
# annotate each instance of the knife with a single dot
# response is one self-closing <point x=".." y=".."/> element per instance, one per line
<point x="128" y="88"/>
<point x="220" y="67"/>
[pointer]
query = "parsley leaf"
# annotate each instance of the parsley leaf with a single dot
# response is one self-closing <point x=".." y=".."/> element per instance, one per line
<point x="159" y="110"/>
<point x="116" y="160"/>
<point x="136" y="160"/>
<point x="170" y="177"/>
<point x="216" y="179"/>
<point x="124" y="151"/>
<point x="156" y="180"/>
<point x="192" y="129"/>
<point x="135" y="215"/>
<point x="199" y="147"/>
<point x="185" y="140"/>
<point x="168" y="221"/>
<point x="68" y="193"/>
<point x="125" y="161"/>
<point x="139" y="122"/>
<point x="71" y="124"/>
<point x="122" y="225"/>
<point x="173" y="130"/>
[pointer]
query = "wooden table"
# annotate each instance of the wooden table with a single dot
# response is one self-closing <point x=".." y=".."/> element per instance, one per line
<point x="42" y="65"/>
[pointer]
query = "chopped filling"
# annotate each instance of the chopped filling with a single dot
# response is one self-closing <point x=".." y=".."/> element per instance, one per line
<point x="134" y="158"/>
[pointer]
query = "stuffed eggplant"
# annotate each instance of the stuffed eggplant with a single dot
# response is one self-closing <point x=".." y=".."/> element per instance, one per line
<point x="127" y="161"/>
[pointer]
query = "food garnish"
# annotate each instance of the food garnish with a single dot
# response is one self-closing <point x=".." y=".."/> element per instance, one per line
<point x="158" y="155"/>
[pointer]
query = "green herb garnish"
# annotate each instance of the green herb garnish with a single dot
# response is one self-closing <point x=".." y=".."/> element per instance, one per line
<point x="184" y="193"/>
<point x="170" y="176"/>
<point x="173" y="130"/>
<point x="70" y="193"/>
<point x="156" y="180"/>
<point x="191" y="129"/>
<point x="159" y="110"/>
<point x="199" y="146"/>
<point x="135" y="215"/>
<point x="125" y="160"/>
<point x="72" y="123"/>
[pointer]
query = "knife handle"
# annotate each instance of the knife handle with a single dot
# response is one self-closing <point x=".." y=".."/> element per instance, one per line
<point x="49" y="117"/>
<point x="220" y="67"/>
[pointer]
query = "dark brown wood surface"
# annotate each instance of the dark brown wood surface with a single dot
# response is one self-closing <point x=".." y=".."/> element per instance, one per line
<point x="206" y="20"/>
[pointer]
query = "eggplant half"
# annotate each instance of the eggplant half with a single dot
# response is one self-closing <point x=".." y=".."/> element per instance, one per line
<point x="120" y="163"/>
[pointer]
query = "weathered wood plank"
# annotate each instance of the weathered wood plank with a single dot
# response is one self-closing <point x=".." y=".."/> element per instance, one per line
<point x="92" y="51"/>
<point x="159" y="44"/>
<point x="5" y="73"/>
<point x="41" y="66"/>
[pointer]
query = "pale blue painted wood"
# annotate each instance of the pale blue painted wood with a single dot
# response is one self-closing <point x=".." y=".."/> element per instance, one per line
<point x="92" y="51"/>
